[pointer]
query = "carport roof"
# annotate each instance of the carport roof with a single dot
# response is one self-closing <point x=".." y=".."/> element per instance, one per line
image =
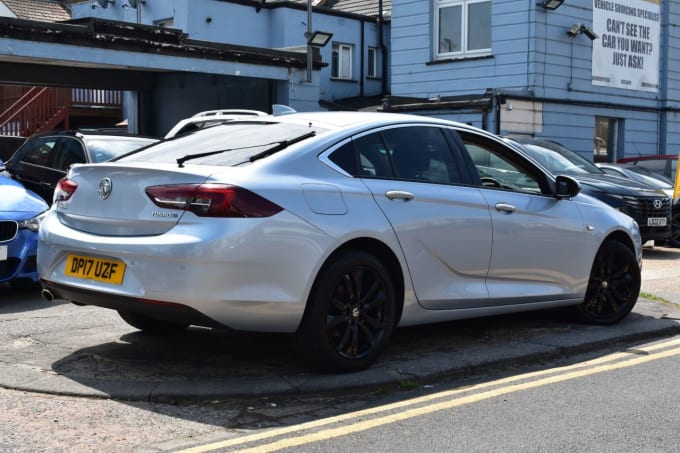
<point x="42" y="10"/>
<point x="369" y="8"/>
<point x="124" y="36"/>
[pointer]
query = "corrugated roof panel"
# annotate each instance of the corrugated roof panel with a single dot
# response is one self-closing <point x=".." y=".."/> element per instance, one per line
<point x="363" y="7"/>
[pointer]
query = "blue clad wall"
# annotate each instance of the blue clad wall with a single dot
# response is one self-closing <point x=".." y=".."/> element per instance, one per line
<point x="539" y="78"/>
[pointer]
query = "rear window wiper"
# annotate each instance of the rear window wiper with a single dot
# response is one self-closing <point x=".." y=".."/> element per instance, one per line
<point x="277" y="146"/>
<point x="283" y="144"/>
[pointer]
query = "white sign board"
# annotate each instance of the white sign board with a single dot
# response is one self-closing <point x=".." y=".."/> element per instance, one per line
<point x="626" y="54"/>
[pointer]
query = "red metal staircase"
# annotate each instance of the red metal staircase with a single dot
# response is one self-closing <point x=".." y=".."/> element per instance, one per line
<point x="41" y="109"/>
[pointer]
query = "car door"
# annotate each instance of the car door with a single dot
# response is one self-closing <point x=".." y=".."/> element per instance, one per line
<point x="443" y="227"/>
<point x="539" y="249"/>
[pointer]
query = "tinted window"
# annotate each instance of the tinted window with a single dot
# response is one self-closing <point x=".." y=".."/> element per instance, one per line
<point x="345" y="158"/>
<point x="69" y="152"/>
<point x="230" y="144"/>
<point x="373" y="160"/>
<point x="421" y="154"/>
<point x="106" y="148"/>
<point x="40" y="151"/>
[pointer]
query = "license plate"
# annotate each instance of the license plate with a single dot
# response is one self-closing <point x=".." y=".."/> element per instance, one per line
<point x="3" y="253"/>
<point x="656" y="221"/>
<point x="101" y="270"/>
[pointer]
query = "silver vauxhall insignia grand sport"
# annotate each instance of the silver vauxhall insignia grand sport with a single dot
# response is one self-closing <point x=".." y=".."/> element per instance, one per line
<point x="338" y="226"/>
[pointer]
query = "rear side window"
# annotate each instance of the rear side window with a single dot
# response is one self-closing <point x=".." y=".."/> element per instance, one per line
<point x="421" y="154"/>
<point x="373" y="159"/>
<point x="69" y="152"/>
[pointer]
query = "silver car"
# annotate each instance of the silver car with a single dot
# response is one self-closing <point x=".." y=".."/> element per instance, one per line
<point x="338" y="226"/>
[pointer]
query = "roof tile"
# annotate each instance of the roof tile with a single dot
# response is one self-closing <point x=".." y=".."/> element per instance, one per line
<point x="40" y="10"/>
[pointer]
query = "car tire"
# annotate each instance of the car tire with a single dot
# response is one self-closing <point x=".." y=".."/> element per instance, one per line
<point x="674" y="240"/>
<point x="151" y="325"/>
<point x="613" y="286"/>
<point x="350" y="314"/>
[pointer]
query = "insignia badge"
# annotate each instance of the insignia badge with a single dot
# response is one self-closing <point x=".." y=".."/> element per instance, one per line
<point x="104" y="189"/>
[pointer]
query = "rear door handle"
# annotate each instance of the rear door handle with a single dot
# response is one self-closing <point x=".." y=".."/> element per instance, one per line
<point x="399" y="195"/>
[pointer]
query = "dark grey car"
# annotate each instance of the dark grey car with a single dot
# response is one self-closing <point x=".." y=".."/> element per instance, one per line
<point x="44" y="159"/>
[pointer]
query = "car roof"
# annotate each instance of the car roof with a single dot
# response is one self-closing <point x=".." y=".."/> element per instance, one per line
<point x="334" y="120"/>
<point x="82" y="133"/>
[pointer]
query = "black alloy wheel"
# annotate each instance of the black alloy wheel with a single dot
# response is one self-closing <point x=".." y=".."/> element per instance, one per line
<point x="350" y="314"/>
<point x="613" y="287"/>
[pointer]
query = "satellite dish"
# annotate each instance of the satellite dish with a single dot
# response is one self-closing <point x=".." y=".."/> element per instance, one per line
<point x="104" y="3"/>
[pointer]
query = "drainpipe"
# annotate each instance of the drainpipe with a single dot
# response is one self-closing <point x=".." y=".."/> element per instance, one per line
<point x="383" y="49"/>
<point x="363" y="56"/>
<point x="308" y="35"/>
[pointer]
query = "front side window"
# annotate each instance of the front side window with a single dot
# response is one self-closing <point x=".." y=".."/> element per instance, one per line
<point x="463" y="27"/>
<point x="496" y="170"/>
<point x="341" y="63"/>
<point x="40" y="151"/>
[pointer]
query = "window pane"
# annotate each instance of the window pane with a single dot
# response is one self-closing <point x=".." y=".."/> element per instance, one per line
<point x="372" y="70"/>
<point x="496" y="171"/>
<point x="345" y="158"/>
<point x="373" y="157"/>
<point x="450" y="35"/>
<point x="421" y="154"/>
<point x="335" y="62"/>
<point x="40" y="154"/>
<point x="346" y="62"/>
<point x="479" y="27"/>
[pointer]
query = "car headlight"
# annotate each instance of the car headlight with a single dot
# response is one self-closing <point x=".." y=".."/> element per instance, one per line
<point x="32" y="224"/>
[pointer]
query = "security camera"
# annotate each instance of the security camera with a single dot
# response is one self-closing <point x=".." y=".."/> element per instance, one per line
<point x="574" y="30"/>
<point x="589" y="32"/>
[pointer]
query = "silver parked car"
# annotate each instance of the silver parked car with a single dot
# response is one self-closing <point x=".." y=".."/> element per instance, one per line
<point x="338" y="226"/>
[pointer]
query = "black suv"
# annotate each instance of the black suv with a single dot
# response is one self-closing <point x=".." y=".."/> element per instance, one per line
<point x="650" y="207"/>
<point x="43" y="159"/>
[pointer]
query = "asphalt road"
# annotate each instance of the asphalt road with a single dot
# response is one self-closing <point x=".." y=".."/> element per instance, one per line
<point x="79" y="379"/>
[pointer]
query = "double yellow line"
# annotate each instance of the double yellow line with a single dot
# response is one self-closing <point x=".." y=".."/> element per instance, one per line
<point x="341" y="425"/>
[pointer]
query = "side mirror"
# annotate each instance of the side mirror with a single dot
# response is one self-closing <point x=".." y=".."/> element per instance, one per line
<point x="566" y="187"/>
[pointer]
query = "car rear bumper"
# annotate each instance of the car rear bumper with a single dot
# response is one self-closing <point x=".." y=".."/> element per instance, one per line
<point x="255" y="280"/>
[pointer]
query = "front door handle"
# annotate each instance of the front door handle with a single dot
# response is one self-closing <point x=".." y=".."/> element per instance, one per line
<point x="505" y="207"/>
<point x="399" y="195"/>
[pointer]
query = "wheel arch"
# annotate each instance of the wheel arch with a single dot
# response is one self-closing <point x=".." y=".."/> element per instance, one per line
<point x="385" y="254"/>
<point x="622" y="237"/>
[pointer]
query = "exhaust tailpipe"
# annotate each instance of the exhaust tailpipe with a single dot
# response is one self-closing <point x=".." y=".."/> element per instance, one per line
<point x="47" y="295"/>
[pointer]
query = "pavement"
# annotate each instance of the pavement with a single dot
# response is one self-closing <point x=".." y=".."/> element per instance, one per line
<point x="58" y="348"/>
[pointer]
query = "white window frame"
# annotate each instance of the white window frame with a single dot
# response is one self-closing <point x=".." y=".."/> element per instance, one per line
<point x="343" y="69"/>
<point x="464" y="51"/>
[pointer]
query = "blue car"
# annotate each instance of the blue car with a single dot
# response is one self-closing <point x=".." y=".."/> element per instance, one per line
<point x="20" y="214"/>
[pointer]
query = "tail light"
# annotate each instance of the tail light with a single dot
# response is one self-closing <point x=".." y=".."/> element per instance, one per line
<point x="212" y="200"/>
<point x="64" y="190"/>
